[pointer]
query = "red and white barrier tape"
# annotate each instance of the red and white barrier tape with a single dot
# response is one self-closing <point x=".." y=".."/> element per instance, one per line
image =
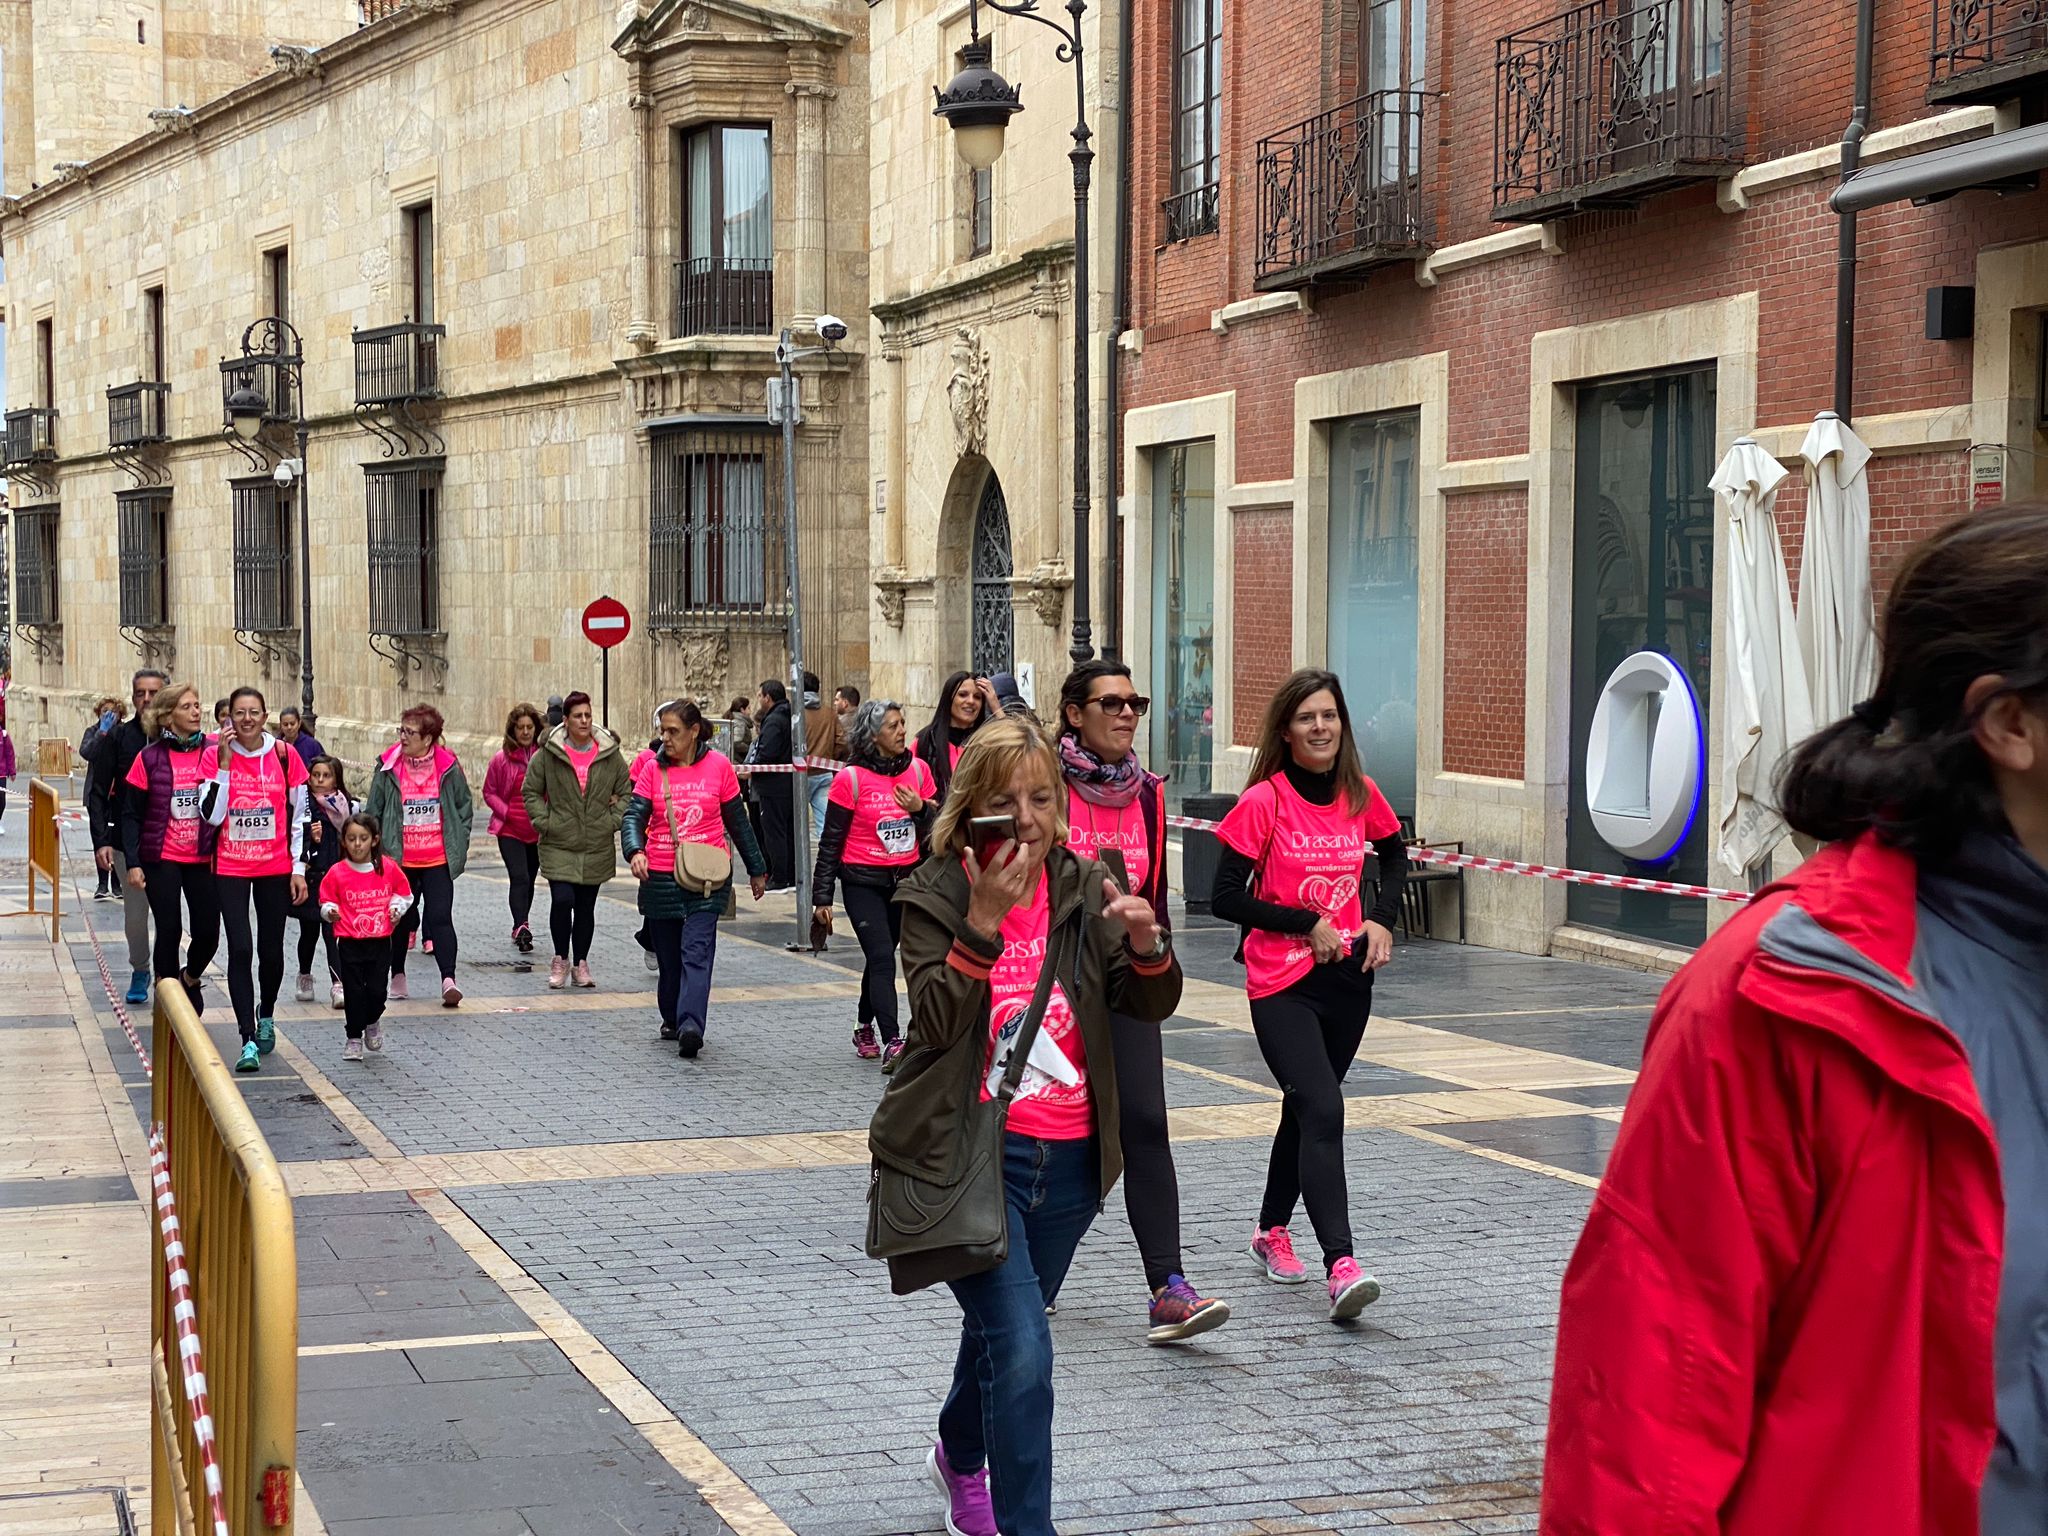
<point x="191" y="1363"/>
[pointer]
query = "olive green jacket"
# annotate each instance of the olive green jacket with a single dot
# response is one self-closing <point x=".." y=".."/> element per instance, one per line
<point x="578" y="824"/>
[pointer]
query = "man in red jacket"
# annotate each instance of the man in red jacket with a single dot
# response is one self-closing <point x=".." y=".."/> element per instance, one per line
<point x="1812" y="1294"/>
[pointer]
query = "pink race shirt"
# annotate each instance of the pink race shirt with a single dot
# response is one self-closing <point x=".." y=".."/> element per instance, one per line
<point x="1092" y="828"/>
<point x="1044" y="1107"/>
<point x="364" y="897"/>
<point x="1308" y="856"/>
<point x="697" y="795"/>
<point x="255" y="835"/>
<point x="580" y="758"/>
<point x="883" y="833"/>
<point x="181" y="832"/>
<point x="419" y="800"/>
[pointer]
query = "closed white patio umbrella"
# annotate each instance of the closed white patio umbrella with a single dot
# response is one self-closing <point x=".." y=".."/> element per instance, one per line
<point x="1836" y="633"/>
<point x="1767" y="710"/>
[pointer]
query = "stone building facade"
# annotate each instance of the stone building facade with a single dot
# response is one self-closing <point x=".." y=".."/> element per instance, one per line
<point x="538" y="256"/>
<point x="971" y="402"/>
<point x="1430" y="386"/>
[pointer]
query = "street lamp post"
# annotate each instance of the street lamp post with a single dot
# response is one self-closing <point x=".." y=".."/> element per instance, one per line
<point x="271" y="345"/>
<point x="979" y="104"/>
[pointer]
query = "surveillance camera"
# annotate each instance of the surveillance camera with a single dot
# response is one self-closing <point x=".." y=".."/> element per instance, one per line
<point x="286" y="469"/>
<point x="832" y="328"/>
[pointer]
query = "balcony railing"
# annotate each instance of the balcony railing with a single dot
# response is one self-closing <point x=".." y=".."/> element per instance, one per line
<point x="31" y="436"/>
<point x="269" y="378"/>
<point x="1983" y="49"/>
<point x="396" y="363"/>
<point x="136" y="415"/>
<point x="1610" y="102"/>
<point x="1342" y="192"/>
<point x="1190" y="213"/>
<point x="725" y="296"/>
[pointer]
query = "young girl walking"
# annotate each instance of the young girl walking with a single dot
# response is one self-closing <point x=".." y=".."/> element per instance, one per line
<point x="330" y="811"/>
<point x="364" y="897"/>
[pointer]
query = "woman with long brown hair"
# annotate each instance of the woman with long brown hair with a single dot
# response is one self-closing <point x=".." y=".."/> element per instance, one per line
<point x="1812" y="1293"/>
<point x="420" y="801"/>
<point x="1292" y="876"/>
<point x="168" y="844"/>
<point x="518" y="842"/>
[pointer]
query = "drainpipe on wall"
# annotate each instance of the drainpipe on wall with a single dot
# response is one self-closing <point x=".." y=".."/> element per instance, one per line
<point x="1119" y="307"/>
<point x="1845" y="256"/>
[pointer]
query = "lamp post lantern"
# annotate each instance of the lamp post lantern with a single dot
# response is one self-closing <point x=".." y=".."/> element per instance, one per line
<point x="272" y="347"/>
<point x="978" y="104"/>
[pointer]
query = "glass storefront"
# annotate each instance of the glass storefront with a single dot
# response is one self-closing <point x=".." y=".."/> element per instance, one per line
<point x="1642" y="579"/>
<point x="1375" y="591"/>
<point x="1183" y="618"/>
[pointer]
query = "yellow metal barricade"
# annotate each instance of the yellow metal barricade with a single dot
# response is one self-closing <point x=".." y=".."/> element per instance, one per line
<point x="235" y="1218"/>
<point x="43" y="854"/>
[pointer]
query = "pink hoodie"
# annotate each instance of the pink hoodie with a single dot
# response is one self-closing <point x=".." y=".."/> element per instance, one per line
<point x="502" y="783"/>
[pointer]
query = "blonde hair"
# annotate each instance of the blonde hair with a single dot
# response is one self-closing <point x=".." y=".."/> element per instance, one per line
<point x="988" y="763"/>
<point x="167" y="701"/>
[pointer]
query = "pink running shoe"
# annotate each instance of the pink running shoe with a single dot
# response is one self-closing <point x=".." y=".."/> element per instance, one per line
<point x="451" y="994"/>
<point x="865" y="1045"/>
<point x="398" y="988"/>
<point x="969" y="1511"/>
<point x="582" y="974"/>
<point x="1274" y="1248"/>
<point x="558" y="972"/>
<point x="1352" y="1290"/>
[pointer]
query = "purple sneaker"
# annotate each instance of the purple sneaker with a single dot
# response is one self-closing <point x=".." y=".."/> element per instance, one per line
<point x="968" y="1510"/>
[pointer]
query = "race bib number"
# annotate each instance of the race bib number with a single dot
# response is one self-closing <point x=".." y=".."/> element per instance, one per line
<point x="258" y="824"/>
<point x="898" y="836"/>
<point x="185" y="804"/>
<point x="423" y="815"/>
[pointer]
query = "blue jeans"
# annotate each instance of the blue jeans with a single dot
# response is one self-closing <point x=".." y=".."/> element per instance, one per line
<point x="999" y="1411"/>
<point x="684" y="948"/>
<point x="821" y="786"/>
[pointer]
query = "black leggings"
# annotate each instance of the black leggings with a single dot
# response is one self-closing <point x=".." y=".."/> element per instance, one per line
<point x="272" y="895"/>
<point x="164" y="882"/>
<point x="360" y="964"/>
<point x="522" y="866"/>
<point x="1309" y="1035"/>
<point x="572" y="918"/>
<point x="435" y="888"/>
<point x="1151" y="1186"/>
<point x="312" y="934"/>
<point x="878" y="924"/>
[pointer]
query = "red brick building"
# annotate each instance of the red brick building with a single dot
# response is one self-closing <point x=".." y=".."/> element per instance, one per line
<point x="1440" y="317"/>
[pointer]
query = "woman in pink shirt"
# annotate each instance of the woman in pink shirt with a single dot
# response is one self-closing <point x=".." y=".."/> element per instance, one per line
<point x="255" y="794"/>
<point x="420" y="800"/>
<point x="364" y="896"/>
<point x="967" y="702"/>
<point x="1293" y="868"/>
<point x="168" y="844"/>
<point x="518" y="843"/>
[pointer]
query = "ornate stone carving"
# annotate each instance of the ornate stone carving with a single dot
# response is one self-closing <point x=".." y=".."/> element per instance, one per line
<point x="1046" y="587"/>
<point x="703" y="658"/>
<point x="967" y="390"/>
<point x="811" y="88"/>
<point x="299" y="63"/>
<point x="432" y="7"/>
<point x="694" y="19"/>
<point x="892" y="582"/>
<point x="9" y="207"/>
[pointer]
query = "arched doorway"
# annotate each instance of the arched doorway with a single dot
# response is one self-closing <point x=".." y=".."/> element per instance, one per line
<point x="993" y="642"/>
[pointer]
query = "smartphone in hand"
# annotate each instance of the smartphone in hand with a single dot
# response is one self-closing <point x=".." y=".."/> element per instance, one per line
<point x="985" y="834"/>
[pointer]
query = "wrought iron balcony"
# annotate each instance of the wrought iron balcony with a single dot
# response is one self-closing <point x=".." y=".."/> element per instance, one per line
<point x="1610" y="102"/>
<point x="725" y="296"/>
<point x="31" y="437"/>
<point x="269" y="377"/>
<point x="1985" y="49"/>
<point x="1341" y="193"/>
<point x="1190" y="213"/>
<point x="136" y="415"/>
<point x="397" y="363"/>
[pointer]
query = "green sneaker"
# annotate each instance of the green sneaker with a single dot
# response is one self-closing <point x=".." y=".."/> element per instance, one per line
<point x="250" y="1059"/>
<point x="266" y="1036"/>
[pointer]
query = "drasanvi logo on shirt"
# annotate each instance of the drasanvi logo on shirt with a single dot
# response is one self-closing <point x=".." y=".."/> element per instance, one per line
<point x="1024" y="949"/>
<point x="1298" y="841"/>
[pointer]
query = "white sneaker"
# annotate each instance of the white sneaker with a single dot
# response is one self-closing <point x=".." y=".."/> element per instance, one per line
<point x="304" y="991"/>
<point x="353" y="1051"/>
<point x="373" y="1036"/>
<point x="334" y="997"/>
<point x="649" y="959"/>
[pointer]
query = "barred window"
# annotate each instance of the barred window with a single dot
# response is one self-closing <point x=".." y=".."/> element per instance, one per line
<point x="6" y="587"/>
<point x="404" y="504"/>
<point x="716" y="527"/>
<point x="1197" y="117"/>
<point x="35" y="566"/>
<point x="264" y="554"/>
<point x="144" y="523"/>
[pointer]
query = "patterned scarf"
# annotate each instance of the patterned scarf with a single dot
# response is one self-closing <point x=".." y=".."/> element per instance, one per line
<point x="1111" y="785"/>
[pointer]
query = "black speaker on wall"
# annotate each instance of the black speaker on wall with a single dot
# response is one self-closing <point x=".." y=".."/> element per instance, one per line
<point x="1951" y="313"/>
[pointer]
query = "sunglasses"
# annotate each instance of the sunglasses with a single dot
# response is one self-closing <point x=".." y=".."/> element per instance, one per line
<point x="1116" y="704"/>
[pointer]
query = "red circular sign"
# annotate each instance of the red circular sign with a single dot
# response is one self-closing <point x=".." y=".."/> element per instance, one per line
<point x="606" y="623"/>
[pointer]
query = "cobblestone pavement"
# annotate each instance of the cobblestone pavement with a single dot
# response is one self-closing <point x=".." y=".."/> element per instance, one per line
<point x="585" y="1286"/>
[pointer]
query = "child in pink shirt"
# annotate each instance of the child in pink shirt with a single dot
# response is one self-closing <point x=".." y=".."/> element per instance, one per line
<point x="363" y="896"/>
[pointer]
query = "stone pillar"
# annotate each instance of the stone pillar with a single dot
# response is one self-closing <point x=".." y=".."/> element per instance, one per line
<point x="807" y="227"/>
<point x="1051" y="365"/>
<point x="895" y="455"/>
<point x="643" y="329"/>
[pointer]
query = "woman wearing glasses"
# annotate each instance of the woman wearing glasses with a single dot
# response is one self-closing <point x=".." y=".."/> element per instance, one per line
<point x="421" y="801"/>
<point x="1114" y="804"/>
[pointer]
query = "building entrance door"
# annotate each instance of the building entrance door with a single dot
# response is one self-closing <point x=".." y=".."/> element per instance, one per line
<point x="993" y="646"/>
<point x="1375" y="591"/>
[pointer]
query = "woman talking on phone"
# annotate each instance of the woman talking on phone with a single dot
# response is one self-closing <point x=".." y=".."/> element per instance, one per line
<point x="1114" y="804"/>
<point x="1001" y="900"/>
<point x="876" y="816"/>
<point x="1292" y="870"/>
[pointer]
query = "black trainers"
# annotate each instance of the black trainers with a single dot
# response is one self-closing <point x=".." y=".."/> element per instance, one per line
<point x="668" y="1030"/>
<point x="689" y="1042"/>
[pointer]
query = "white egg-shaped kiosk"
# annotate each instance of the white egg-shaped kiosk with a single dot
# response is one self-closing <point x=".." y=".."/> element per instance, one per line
<point x="1646" y="759"/>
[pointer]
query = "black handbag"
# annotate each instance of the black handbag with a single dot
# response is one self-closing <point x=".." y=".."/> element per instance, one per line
<point x="936" y="1229"/>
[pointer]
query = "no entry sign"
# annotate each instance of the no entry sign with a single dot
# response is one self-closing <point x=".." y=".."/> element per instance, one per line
<point x="606" y="623"/>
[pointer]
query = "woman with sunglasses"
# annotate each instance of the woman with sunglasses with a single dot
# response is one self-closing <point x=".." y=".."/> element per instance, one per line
<point x="966" y="703"/>
<point x="422" y="806"/>
<point x="1116" y="811"/>
<point x="1293" y="865"/>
